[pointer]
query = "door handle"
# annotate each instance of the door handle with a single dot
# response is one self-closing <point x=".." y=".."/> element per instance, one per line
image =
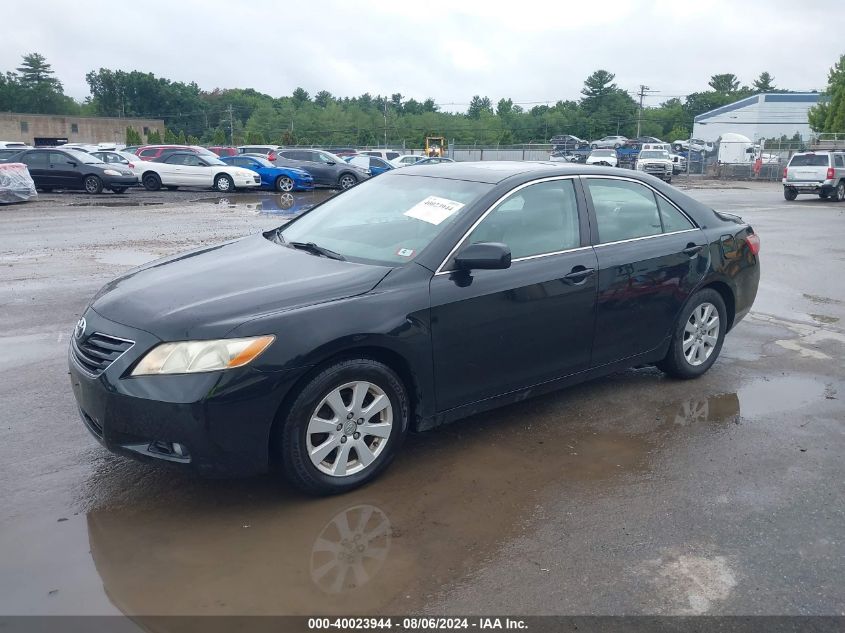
<point x="692" y="249"/>
<point x="578" y="275"/>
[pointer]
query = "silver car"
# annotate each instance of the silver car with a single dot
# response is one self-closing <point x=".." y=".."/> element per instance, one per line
<point x="609" y="142"/>
<point x="821" y="173"/>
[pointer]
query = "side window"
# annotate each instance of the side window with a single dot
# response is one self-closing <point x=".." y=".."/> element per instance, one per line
<point x="673" y="220"/>
<point x="839" y="161"/>
<point x="537" y="219"/>
<point x="392" y="155"/>
<point x="624" y="210"/>
<point x="35" y="160"/>
<point x="175" y="159"/>
<point x="59" y="159"/>
<point x="148" y="152"/>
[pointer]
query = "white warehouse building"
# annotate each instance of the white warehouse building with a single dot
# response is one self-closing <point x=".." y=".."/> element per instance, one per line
<point x="761" y="116"/>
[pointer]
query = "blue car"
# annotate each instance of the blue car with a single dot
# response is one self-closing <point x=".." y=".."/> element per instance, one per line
<point x="375" y="164"/>
<point x="272" y="176"/>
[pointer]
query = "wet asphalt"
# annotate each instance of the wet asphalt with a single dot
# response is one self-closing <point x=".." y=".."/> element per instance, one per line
<point x="630" y="494"/>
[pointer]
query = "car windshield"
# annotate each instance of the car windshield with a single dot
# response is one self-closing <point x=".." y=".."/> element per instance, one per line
<point x="809" y="160"/>
<point x="654" y="154"/>
<point x="212" y="160"/>
<point x="332" y="157"/>
<point x="83" y="157"/>
<point x="603" y="152"/>
<point x="388" y="220"/>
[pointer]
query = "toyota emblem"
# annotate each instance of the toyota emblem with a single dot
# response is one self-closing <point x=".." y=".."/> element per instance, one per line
<point x="79" y="330"/>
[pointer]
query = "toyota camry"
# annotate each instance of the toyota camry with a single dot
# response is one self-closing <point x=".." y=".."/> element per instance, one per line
<point x="406" y="302"/>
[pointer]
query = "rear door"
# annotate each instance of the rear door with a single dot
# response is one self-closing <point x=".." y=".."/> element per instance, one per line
<point x="38" y="164"/>
<point x="650" y="258"/>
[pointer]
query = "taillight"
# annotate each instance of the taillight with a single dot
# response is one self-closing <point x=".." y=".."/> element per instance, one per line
<point x="131" y="165"/>
<point x="753" y="241"/>
<point x="830" y="173"/>
<point x="785" y="169"/>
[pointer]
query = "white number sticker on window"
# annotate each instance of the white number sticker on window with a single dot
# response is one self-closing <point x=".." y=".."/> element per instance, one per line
<point x="434" y="209"/>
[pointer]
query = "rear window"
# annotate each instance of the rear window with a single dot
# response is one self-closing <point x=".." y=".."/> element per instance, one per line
<point x="809" y="160"/>
<point x="392" y="155"/>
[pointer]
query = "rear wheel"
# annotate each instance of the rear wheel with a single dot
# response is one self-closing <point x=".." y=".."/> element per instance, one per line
<point x="224" y="183"/>
<point x="284" y="183"/>
<point x="790" y="193"/>
<point x="93" y="184"/>
<point x="698" y="336"/>
<point x="840" y="191"/>
<point x="151" y="182"/>
<point x="344" y="427"/>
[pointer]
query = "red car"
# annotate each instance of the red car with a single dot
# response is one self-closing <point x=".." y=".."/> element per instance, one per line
<point x="151" y="152"/>
<point x="224" y="151"/>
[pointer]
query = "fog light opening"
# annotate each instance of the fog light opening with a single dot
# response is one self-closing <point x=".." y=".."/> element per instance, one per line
<point x="169" y="449"/>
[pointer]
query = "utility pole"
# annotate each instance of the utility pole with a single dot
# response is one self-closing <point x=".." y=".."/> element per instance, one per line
<point x="231" y="127"/>
<point x="641" y="93"/>
<point x="385" y="122"/>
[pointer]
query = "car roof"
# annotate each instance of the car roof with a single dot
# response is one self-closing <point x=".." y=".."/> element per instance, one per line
<point x="494" y="172"/>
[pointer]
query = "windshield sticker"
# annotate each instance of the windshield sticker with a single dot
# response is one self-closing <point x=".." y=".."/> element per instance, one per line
<point x="434" y="209"/>
<point x="405" y="252"/>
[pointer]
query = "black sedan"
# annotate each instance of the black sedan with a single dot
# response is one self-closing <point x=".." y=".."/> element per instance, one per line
<point x="72" y="169"/>
<point x="411" y="300"/>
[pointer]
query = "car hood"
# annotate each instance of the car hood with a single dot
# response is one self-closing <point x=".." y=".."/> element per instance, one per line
<point x="207" y="292"/>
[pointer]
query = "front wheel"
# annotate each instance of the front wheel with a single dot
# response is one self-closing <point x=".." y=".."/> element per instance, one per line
<point x="284" y="183"/>
<point x="347" y="180"/>
<point x="151" y="182"/>
<point x="697" y="337"/>
<point x="93" y="184"/>
<point x="224" y="183"/>
<point x="344" y="427"/>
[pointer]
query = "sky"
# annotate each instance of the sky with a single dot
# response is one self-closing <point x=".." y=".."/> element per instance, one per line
<point x="531" y="52"/>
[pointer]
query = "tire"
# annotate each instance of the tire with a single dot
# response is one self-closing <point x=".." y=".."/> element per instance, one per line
<point x="285" y="184"/>
<point x="790" y="193"/>
<point x="93" y="184"/>
<point x="669" y="180"/>
<point x="677" y="147"/>
<point x="300" y="435"/>
<point x="119" y="189"/>
<point x="151" y="182"/>
<point x="224" y="183"/>
<point x="346" y="181"/>
<point x="839" y="193"/>
<point x="171" y="188"/>
<point x="698" y="310"/>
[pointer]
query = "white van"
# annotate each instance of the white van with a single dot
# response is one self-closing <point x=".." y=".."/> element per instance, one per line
<point x="386" y="154"/>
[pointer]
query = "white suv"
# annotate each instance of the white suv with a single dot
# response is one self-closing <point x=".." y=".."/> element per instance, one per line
<point x="821" y="173"/>
<point x="655" y="160"/>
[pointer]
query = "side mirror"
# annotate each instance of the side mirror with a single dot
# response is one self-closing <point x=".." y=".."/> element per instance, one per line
<point x="484" y="256"/>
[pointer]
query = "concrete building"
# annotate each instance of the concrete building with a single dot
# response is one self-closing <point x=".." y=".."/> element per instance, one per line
<point x="759" y="117"/>
<point x="50" y="129"/>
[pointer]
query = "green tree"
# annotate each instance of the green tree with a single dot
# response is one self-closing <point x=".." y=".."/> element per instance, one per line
<point x="181" y="139"/>
<point x="132" y="136"/>
<point x="300" y="96"/>
<point x="504" y="107"/>
<point x="479" y="105"/>
<point x="725" y="83"/>
<point x="764" y="83"/>
<point x="219" y="137"/>
<point x="35" y="71"/>
<point x="170" y="137"/>
<point x="255" y="138"/>
<point x="829" y="114"/>
<point x="323" y="98"/>
<point x="154" y="137"/>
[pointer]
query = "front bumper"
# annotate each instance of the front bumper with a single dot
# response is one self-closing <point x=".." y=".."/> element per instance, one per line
<point x="219" y="421"/>
<point x="247" y="182"/>
<point x="119" y="181"/>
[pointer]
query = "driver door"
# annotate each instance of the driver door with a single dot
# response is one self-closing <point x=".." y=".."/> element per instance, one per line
<point x="497" y="331"/>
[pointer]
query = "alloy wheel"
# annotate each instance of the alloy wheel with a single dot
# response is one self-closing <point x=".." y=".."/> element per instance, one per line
<point x="840" y="192"/>
<point x="349" y="429"/>
<point x="346" y="182"/>
<point x="285" y="184"/>
<point x="701" y="334"/>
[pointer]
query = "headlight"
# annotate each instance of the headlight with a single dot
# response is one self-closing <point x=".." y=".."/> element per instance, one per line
<point x="111" y="172"/>
<point x="190" y="357"/>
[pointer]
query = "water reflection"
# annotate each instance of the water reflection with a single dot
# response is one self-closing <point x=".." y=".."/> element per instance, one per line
<point x="287" y="204"/>
<point x="351" y="549"/>
<point x="719" y="408"/>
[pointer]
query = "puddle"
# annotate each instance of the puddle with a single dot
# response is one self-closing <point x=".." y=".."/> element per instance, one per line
<point x="116" y="203"/>
<point x="163" y="542"/>
<point x="824" y="318"/>
<point x="822" y="300"/>
<point x="123" y="257"/>
<point x="287" y="204"/>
